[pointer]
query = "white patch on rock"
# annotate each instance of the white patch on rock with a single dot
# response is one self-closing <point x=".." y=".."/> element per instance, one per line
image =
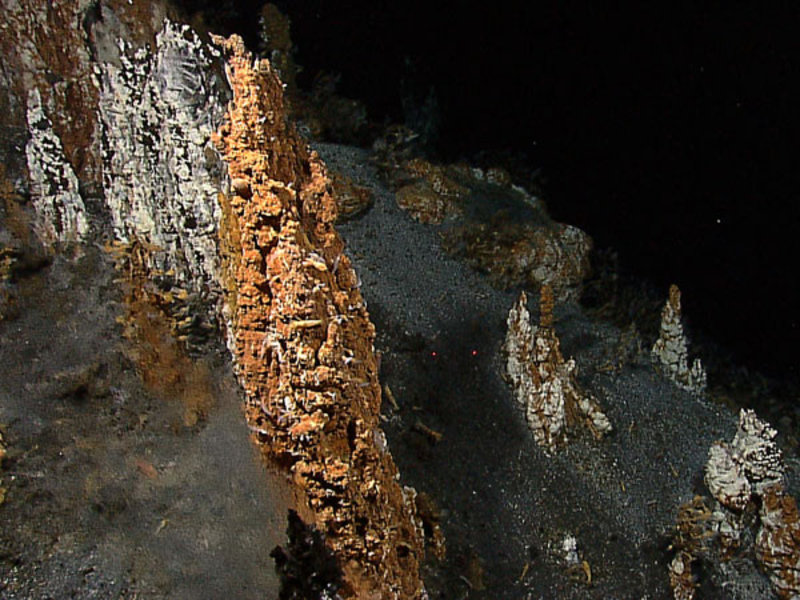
<point x="61" y="213"/>
<point x="670" y="350"/>
<point x="748" y="465"/>
<point x="755" y="449"/>
<point x="162" y="174"/>
<point x="725" y="477"/>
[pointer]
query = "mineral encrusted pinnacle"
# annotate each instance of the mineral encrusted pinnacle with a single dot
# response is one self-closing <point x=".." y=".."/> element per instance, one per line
<point x="303" y="341"/>
<point x="748" y="465"/>
<point x="670" y="350"/>
<point x="544" y="383"/>
<point x="749" y="472"/>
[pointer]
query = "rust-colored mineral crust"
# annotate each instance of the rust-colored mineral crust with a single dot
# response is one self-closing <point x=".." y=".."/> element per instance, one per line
<point x="432" y="196"/>
<point x="351" y="200"/>
<point x="516" y="243"/>
<point x="778" y="541"/>
<point x="691" y="540"/>
<point x="527" y="254"/>
<point x="424" y="204"/>
<point x="681" y="579"/>
<point x="302" y="340"/>
<point x="436" y="177"/>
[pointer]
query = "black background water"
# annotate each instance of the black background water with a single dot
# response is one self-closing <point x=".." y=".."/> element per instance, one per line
<point x="670" y="132"/>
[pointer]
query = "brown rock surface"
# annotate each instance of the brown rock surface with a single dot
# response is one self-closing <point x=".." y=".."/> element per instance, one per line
<point x="303" y="341"/>
<point x="778" y="541"/>
<point x="495" y="226"/>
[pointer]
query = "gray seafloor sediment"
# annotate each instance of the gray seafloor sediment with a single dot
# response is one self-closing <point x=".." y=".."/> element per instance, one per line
<point x="507" y="506"/>
<point x="109" y="494"/>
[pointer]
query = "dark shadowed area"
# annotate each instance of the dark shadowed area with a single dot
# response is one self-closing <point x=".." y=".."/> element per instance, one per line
<point x="667" y="132"/>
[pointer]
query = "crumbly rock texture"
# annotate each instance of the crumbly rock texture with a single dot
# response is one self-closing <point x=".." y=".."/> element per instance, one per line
<point x="529" y="254"/>
<point x="670" y="350"/>
<point x="681" y="579"/>
<point x="749" y="465"/>
<point x="725" y="477"/>
<point x="303" y="341"/>
<point x="544" y="383"/>
<point x="516" y="242"/>
<point x="746" y="479"/>
<point x="778" y="541"/>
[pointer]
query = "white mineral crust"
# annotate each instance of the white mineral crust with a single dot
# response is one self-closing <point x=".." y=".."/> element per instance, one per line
<point x="670" y="350"/>
<point x="161" y="172"/>
<point x="544" y="383"/>
<point x="750" y="464"/>
<point x="60" y="211"/>
<point x="755" y="449"/>
<point x="725" y="477"/>
<point x="569" y="549"/>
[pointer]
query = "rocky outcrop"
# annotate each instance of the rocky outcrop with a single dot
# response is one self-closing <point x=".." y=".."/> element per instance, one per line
<point x="158" y="107"/>
<point x="751" y="515"/>
<point x="495" y="226"/>
<point x="217" y="235"/>
<point x="54" y="186"/>
<point x="303" y="341"/>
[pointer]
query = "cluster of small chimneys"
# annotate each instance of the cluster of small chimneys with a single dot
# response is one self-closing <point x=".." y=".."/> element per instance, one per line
<point x="545" y="384"/>
<point x="744" y="475"/>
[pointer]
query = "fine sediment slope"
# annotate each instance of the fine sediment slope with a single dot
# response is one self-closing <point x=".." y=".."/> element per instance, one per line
<point x="592" y="519"/>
